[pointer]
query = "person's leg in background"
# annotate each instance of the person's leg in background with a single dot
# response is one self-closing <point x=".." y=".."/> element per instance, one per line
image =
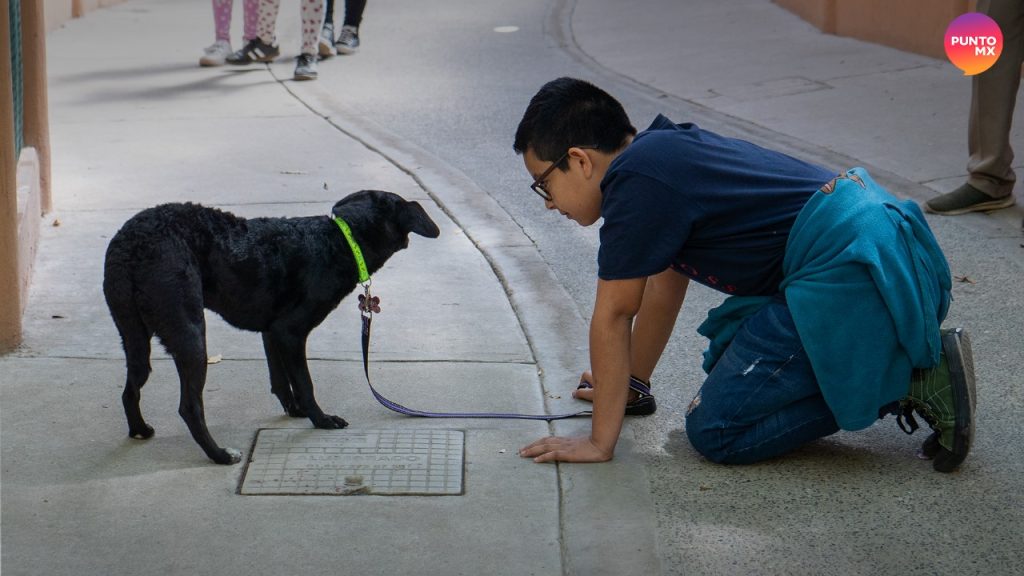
<point x="261" y="48"/>
<point x="993" y="97"/>
<point x="312" y="15"/>
<point x="326" y="44"/>
<point x="250" y="19"/>
<point x="348" y="37"/>
<point x="267" y="21"/>
<point x="216" y="53"/>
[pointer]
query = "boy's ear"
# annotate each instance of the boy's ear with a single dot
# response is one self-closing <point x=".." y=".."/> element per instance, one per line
<point x="580" y="155"/>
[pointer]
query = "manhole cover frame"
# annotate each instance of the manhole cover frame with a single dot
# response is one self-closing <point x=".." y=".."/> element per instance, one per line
<point x="355" y="462"/>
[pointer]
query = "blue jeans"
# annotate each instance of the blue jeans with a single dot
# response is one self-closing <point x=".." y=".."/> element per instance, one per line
<point x="761" y="399"/>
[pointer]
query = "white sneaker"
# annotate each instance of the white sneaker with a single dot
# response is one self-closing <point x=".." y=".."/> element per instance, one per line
<point x="326" y="44"/>
<point x="215" y="54"/>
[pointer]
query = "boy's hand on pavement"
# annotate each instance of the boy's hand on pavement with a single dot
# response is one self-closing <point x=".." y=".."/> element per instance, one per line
<point x="561" y="449"/>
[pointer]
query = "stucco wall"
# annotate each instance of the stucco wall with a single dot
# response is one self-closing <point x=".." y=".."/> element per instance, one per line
<point x="912" y="25"/>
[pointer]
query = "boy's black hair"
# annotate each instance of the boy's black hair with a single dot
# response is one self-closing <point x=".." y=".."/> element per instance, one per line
<point x="570" y="112"/>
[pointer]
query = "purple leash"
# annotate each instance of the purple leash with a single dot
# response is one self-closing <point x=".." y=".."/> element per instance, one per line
<point x="367" y="306"/>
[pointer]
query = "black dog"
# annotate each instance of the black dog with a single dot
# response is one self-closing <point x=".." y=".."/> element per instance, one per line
<point x="277" y="276"/>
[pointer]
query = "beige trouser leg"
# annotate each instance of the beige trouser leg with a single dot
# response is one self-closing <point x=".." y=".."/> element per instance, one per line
<point x="993" y="95"/>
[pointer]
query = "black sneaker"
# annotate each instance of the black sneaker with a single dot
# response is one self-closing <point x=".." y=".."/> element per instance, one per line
<point x="305" y="67"/>
<point x="945" y="397"/>
<point x="255" y="50"/>
<point x="348" y="40"/>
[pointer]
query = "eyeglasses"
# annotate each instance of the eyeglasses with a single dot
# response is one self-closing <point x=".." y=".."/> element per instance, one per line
<point x="538" y="184"/>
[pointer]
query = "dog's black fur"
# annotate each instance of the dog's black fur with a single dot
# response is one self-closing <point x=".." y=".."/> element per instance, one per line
<point x="277" y="276"/>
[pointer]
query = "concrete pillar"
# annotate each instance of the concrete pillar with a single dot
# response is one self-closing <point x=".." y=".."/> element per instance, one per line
<point x="10" y="293"/>
<point x="36" y="102"/>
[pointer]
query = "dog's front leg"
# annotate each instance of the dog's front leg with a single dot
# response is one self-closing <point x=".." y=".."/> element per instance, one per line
<point x="279" y="383"/>
<point x="292" y="352"/>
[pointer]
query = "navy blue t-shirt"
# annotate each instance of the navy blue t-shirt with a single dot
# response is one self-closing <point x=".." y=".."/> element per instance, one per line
<point x="716" y="209"/>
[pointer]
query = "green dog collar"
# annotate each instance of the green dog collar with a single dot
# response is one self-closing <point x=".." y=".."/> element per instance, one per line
<point x="364" y="276"/>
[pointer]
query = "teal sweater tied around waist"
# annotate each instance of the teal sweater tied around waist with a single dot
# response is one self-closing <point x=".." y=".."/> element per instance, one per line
<point x="867" y="286"/>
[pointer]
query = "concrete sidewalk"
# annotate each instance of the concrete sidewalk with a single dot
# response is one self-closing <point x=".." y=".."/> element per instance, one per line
<point x="136" y="127"/>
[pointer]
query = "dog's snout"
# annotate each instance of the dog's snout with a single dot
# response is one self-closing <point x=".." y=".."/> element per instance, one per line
<point x="415" y="219"/>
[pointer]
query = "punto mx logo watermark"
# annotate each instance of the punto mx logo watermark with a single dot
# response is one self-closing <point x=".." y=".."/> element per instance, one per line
<point x="973" y="43"/>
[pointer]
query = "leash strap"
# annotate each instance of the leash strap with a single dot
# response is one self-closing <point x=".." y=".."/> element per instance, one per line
<point x="367" y="320"/>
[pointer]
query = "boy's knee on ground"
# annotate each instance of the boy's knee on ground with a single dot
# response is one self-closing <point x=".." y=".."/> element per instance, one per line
<point x="705" y="437"/>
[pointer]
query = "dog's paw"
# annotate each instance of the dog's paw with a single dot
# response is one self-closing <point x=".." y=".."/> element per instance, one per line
<point x="143" y="433"/>
<point x="228" y="456"/>
<point x="330" y="422"/>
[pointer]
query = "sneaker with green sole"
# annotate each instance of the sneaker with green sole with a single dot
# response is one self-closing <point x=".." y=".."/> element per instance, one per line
<point x="944" y="396"/>
<point x="966" y="199"/>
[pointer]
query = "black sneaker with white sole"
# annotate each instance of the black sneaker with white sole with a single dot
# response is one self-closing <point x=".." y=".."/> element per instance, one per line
<point x="255" y="50"/>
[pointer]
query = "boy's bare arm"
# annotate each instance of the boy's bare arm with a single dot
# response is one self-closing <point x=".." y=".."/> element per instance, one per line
<point x="663" y="297"/>
<point x="610" y="330"/>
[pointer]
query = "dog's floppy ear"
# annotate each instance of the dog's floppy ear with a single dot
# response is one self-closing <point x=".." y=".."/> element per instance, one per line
<point x="413" y="218"/>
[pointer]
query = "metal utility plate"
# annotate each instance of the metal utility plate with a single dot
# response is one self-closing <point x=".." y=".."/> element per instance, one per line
<point x="342" y="462"/>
